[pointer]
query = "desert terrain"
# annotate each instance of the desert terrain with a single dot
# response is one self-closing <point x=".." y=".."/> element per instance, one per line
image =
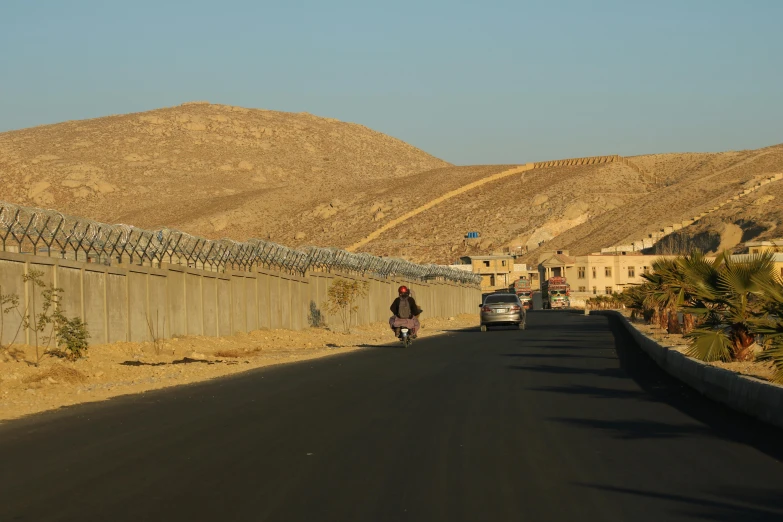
<point x="298" y="179"/>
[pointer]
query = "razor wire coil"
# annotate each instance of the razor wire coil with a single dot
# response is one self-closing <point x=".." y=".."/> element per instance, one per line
<point x="48" y="232"/>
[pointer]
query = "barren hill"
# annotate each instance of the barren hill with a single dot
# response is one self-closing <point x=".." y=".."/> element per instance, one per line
<point x="222" y="171"/>
<point x="214" y="170"/>
<point x="692" y="183"/>
<point x="584" y="208"/>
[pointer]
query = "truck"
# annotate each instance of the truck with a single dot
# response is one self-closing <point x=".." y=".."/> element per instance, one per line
<point x="555" y="293"/>
<point x="522" y="288"/>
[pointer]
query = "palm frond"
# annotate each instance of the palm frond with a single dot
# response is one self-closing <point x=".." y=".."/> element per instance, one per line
<point x="708" y="344"/>
<point x="774" y="354"/>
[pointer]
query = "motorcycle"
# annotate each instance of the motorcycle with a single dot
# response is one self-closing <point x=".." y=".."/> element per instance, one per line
<point x="405" y="336"/>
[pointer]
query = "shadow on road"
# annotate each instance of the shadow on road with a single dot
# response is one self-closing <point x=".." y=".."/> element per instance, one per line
<point x="722" y="421"/>
<point x="725" y="505"/>
<point x="595" y="392"/>
<point x="640" y="429"/>
<point x="555" y="356"/>
<point x="564" y="370"/>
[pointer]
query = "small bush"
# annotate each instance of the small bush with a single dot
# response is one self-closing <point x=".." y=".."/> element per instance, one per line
<point x="72" y="335"/>
<point x="341" y="299"/>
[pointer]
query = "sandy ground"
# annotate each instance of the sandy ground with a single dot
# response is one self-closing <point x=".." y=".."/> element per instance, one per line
<point x="759" y="370"/>
<point x="125" y="368"/>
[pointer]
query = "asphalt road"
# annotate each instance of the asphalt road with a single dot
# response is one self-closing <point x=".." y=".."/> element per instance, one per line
<point x="567" y="420"/>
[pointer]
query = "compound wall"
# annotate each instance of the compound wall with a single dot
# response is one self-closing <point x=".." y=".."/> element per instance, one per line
<point x="130" y="303"/>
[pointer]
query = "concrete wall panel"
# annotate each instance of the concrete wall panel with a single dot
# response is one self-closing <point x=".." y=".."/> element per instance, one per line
<point x="11" y="282"/>
<point x="211" y="316"/>
<point x="117" y="307"/>
<point x="139" y="312"/>
<point x="263" y="300"/>
<point x="275" y="304"/>
<point x="285" y="303"/>
<point x="238" y="304"/>
<point x="158" y="305"/>
<point x="194" y="304"/>
<point x="95" y="306"/>
<point x="177" y="316"/>
<point x="224" y="306"/>
<point x="70" y="280"/>
<point x="251" y="304"/>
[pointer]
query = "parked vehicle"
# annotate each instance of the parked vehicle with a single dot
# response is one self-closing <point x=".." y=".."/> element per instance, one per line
<point x="556" y="293"/>
<point x="502" y="309"/>
<point x="524" y="291"/>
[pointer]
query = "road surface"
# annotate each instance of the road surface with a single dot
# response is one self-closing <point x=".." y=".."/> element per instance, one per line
<point x="567" y="420"/>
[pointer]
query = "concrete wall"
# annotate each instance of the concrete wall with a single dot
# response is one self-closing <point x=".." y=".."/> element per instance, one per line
<point x="753" y="397"/>
<point x="122" y="303"/>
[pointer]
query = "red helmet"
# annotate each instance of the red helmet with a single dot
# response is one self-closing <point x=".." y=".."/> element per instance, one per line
<point x="403" y="290"/>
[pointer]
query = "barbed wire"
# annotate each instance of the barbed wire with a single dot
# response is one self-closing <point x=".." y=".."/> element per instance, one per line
<point x="48" y="232"/>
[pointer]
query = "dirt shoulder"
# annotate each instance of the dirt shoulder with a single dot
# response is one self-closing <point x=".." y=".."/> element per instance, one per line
<point x="111" y="370"/>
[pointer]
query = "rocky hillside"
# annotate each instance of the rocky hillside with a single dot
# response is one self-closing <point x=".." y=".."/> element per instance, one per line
<point x="222" y="171"/>
<point x="587" y="207"/>
<point x="213" y="170"/>
<point x="691" y="184"/>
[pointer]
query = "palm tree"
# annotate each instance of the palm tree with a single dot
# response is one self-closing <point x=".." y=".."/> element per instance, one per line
<point x="769" y="329"/>
<point x="696" y="269"/>
<point x="637" y="299"/>
<point x="669" y="291"/>
<point x="725" y="296"/>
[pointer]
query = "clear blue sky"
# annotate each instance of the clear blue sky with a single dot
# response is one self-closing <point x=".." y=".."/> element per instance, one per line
<point x="471" y="82"/>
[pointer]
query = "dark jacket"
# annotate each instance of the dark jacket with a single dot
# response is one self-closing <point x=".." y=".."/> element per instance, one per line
<point x="395" y="308"/>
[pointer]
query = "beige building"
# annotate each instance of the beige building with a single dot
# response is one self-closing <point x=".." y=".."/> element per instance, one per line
<point x="498" y="271"/>
<point x="774" y="246"/>
<point x="759" y="247"/>
<point x="595" y="274"/>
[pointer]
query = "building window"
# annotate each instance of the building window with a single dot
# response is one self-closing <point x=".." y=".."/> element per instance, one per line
<point x="580" y="272"/>
<point x="492" y="280"/>
<point x="583" y="289"/>
<point x="608" y="290"/>
<point x="755" y="251"/>
<point x="646" y="269"/>
<point x="594" y="273"/>
<point x="631" y="272"/>
<point x="533" y="276"/>
<point x="486" y="264"/>
<point x="502" y="263"/>
<point x="608" y="271"/>
<point x="595" y="290"/>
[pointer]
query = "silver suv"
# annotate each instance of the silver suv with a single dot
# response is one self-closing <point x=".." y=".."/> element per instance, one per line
<point x="502" y="309"/>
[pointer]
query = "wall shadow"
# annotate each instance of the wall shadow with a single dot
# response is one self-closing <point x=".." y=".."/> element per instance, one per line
<point x="640" y="429"/>
<point x="615" y="373"/>
<point x="662" y="387"/>
<point x="735" y="504"/>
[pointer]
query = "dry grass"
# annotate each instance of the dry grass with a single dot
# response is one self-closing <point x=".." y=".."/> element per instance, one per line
<point x="58" y="373"/>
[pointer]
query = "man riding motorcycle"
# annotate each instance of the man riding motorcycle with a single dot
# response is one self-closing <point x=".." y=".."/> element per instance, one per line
<point x="406" y="313"/>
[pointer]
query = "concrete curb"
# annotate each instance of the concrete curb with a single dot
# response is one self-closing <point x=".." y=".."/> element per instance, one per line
<point x="748" y="395"/>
